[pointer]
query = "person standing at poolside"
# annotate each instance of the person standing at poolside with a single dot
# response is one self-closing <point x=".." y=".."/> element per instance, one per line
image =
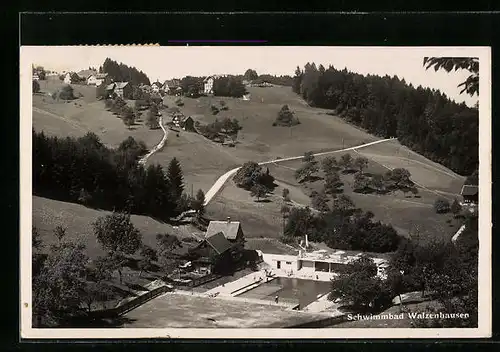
<point x="276" y="299"/>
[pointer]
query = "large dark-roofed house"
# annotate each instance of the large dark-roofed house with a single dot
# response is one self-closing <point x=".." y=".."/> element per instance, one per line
<point x="214" y="254"/>
<point x="470" y="194"/>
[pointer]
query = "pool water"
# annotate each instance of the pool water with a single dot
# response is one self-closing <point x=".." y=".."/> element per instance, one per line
<point x="305" y="291"/>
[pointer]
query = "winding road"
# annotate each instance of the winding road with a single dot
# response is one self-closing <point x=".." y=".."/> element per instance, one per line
<point x="158" y="147"/>
<point x="223" y="179"/>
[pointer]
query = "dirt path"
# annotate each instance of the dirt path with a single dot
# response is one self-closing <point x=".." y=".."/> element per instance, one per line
<point x="222" y="179"/>
<point x="158" y="147"/>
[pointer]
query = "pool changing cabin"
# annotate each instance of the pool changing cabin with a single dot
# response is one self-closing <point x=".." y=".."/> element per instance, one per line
<point x="320" y="261"/>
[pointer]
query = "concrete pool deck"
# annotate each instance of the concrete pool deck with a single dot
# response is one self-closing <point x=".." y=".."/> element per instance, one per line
<point x="185" y="310"/>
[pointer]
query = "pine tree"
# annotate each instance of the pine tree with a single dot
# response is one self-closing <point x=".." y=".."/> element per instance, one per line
<point x="176" y="178"/>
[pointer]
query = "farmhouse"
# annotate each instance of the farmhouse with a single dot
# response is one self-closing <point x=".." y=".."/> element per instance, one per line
<point x="214" y="254"/>
<point x="470" y="194"/>
<point x="121" y="89"/>
<point x="171" y="86"/>
<point x="97" y="79"/>
<point x="86" y="74"/>
<point x="181" y="121"/>
<point x="156" y="87"/>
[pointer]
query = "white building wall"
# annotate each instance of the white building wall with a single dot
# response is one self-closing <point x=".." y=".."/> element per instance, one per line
<point x="92" y="81"/>
<point x="67" y="79"/>
<point x="307" y="266"/>
<point x="208" y="86"/>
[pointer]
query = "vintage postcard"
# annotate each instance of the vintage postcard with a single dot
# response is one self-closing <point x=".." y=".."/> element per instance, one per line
<point x="255" y="192"/>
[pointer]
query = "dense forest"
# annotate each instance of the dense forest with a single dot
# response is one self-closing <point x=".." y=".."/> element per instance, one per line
<point x="83" y="170"/>
<point x="423" y="119"/>
<point x="122" y="73"/>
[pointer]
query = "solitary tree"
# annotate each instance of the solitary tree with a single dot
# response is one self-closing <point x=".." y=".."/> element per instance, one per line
<point x="176" y="178"/>
<point x="36" y="87"/>
<point x="250" y="75"/>
<point x="346" y="161"/>
<point x="286" y="194"/>
<point x="60" y="233"/>
<point x="455" y="207"/>
<point x="332" y="183"/>
<point x="118" y="235"/>
<point x="441" y="206"/>
<point x="258" y="191"/>
<point x="329" y="165"/>
<point x="199" y="203"/>
<point x="361" y="163"/>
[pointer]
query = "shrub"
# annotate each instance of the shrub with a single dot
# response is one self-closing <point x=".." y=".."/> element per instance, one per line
<point x="286" y="117"/>
<point x="36" y="87"/>
<point x="441" y="206"/>
<point x="215" y="109"/>
<point x="66" y="93"/>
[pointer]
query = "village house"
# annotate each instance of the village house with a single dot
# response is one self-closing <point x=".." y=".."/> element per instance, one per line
<point x="172" y="86"/>
<point x="67" y="78"/>
<point x="470" y="194"/>
<point x="215" y="254"/>
<point x="85" y="74"/>
<point x="156" y="87"/>
<point x="231" y="229"/>
<point x="121" y="89"/>
<point x="97" y="79"/>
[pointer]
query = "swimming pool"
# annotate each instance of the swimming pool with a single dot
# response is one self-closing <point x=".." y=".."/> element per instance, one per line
<point x="305" y="291"/>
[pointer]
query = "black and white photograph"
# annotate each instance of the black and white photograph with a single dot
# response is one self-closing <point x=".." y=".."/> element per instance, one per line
<point x="255" y="191"/>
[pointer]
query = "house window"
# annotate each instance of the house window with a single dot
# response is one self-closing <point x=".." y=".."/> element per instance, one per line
<point x="288" y="263"/>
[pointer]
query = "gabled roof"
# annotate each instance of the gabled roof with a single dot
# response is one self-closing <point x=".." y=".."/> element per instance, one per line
<point x="120" y="85"/>
<point x="86" y="73"/>
<point x="469" y="190"/>
<point x="228" y="228"/>
<point x="101" y="75"/>
<point x="218" y="242"/>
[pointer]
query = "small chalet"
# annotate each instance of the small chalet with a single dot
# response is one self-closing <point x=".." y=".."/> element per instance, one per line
<point x="86" y="74"/>
<point x="214" y="254"/>
<point x="470" y="194"/>
<point x="121" y="89"/>
<point x="156" y="87"/>
<point x="97" y="79"/>
<point x="71" y="77"/>
<point x="170" y="86"/>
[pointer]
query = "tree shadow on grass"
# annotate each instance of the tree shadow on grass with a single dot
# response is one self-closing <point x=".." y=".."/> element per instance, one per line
<point x="349" y="171"/>
<point x="265" y="200"/>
